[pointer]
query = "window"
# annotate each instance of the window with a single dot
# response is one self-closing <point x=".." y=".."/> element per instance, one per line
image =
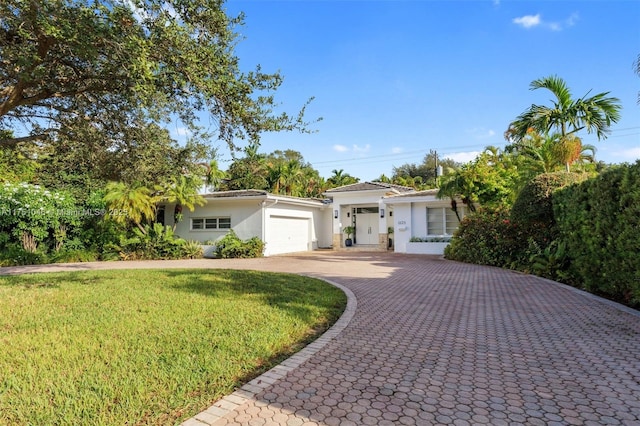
<point x="210" y="223"/>
<point x="443" y="220"/>
<point x="435" y="222"/>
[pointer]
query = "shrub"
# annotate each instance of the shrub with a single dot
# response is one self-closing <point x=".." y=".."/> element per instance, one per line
<point x="157" y="242"/>
<point x="488" y="237"/>
<point x="192" y="250"/>
<point x="231" y="246"/>
<point x="31" y="214"/>
<point x="599" y="221"/>
<point x="533" y="209"/>
<point x="16" y="255"/>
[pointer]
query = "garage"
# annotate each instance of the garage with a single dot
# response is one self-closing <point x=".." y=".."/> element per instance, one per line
<point x="288" y="235"/>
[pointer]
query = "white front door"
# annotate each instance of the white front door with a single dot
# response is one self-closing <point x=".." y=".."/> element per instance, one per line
<point x="366" y="225"/>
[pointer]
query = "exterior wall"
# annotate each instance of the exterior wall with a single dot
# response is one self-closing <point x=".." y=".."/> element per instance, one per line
<point x="343" y="202"/>
<point x="410" y="220"/>
<point x="317" y="220"/>
<point x="402" y="222"/>
<point x="246" y="219"/>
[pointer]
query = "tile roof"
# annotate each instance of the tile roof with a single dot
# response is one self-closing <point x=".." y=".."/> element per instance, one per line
<point x="370" y="186"/>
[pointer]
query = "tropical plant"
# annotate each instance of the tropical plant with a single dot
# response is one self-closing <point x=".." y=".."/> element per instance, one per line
<point x="135" y="204"/>
<point x="183" y="191"/>
<point x="340" y="178"/>
<point x="348" y="231"/>
<point x="566" y="117"/>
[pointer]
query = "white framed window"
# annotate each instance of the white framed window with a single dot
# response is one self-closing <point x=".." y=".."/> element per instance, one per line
<point x="443" y="220"/>
<point x="208" y="223"/>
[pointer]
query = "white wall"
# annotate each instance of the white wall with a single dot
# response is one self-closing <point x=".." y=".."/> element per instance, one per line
<point x="402" y="220"/>
<point x="342" y="201"/>
<point x="246" y="219"/>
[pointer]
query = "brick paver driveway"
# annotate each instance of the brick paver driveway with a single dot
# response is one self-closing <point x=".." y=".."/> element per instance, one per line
<point x="439" y="342"/>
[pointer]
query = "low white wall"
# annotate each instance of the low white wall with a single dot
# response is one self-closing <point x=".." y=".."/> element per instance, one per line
<point x="426" y="248"/>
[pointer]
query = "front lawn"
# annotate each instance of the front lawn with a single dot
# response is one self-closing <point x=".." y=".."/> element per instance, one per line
<point x="146" y="346"/>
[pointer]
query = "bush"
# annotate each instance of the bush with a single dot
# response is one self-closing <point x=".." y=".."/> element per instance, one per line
<point x="488" y="237"/>
<point x="599" y="222"/>
<point x="15" y="255"/>
<point x="157" y="242"/>
<point x="231" y="246"/>
<point x="533" y="209"/>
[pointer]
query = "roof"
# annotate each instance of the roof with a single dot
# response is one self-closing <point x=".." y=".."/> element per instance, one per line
<point x="370" y="186"/>
<point x="236" y="193"/>
<point x="261" y="194"/>
<point x="423" y="193"/>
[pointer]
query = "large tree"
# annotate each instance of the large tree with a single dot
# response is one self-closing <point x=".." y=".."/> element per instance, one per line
<point x="111" y="63"/>
<point x="566" y="116"/>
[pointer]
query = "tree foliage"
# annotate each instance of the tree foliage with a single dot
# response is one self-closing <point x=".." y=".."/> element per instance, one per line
<point x="423" y="175"/>
<point x="111" y="64"/>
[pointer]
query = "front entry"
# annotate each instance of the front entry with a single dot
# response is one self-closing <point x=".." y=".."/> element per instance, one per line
<point x="366" y="222"/>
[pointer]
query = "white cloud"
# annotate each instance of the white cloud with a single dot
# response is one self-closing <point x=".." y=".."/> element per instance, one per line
<point x="397" y="150"/>
<point x="628" y="155"/>
<point x="528" y="21"/>
<point x="340" y="148"/>
<point x="463" y="157"/>
<point x="365" y="148"/>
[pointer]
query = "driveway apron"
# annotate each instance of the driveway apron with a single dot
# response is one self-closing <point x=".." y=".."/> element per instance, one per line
<point x="429" y="341"/>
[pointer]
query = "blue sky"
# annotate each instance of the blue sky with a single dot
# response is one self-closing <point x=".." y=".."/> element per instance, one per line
<point x="395" y="79"/>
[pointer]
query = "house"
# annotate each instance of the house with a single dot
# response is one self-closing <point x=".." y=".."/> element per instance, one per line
<point x="423" y="223"/>
<point x="385" y="216"/>
<point x="285" y="224"/>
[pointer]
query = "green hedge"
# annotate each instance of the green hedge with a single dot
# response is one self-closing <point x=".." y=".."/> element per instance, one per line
<point x="533" y="208"/>
<point x="599" y="224"/>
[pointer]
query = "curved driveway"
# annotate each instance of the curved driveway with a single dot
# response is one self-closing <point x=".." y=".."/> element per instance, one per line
<point x="439" y="342"/>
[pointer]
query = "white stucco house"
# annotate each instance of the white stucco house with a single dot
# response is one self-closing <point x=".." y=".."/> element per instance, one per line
<point x="385" y="217"/>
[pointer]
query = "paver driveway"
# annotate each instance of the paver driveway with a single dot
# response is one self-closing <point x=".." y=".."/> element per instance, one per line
<point x="439" y="342"/>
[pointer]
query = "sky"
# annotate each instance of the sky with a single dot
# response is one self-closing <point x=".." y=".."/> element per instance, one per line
<point x="393" y="80"/>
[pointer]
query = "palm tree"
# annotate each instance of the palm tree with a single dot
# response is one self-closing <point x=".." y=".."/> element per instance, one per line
<point x="214" y="175"/>
<point x="292" y="176"/>
<point x="340" y="178"/>
<point x="567" y="116"/>
<point x="134" y="203"/>
<point x="275" y="180"/>
<point x="184" y="192"/>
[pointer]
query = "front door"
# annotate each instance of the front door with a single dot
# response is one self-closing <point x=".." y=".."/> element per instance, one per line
<point x="366" y="219"/>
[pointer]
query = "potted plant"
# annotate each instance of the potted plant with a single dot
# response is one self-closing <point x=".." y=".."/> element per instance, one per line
<point x="348" y="231"/>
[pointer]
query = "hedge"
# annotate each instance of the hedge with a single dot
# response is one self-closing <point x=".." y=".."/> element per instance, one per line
<point x="599" y="224"/>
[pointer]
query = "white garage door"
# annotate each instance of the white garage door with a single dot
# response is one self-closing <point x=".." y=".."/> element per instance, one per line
<point x="287" y="235"/>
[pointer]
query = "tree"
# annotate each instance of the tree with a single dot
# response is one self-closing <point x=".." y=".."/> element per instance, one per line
<point x="130" y="203"/>
<point x="490" y="180"/>
<point x="183" y="191"/>
<point x="567" y="116"/>
<point x="340" y="178"/>
<point x="425" y="170"/>
<point x="112" y="62"/>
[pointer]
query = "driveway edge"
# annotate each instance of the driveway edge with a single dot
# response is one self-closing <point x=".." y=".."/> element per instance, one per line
<point x="249" y="391"/>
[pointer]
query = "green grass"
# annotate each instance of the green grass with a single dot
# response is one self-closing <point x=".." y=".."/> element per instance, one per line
<point x="146" y="346"/>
